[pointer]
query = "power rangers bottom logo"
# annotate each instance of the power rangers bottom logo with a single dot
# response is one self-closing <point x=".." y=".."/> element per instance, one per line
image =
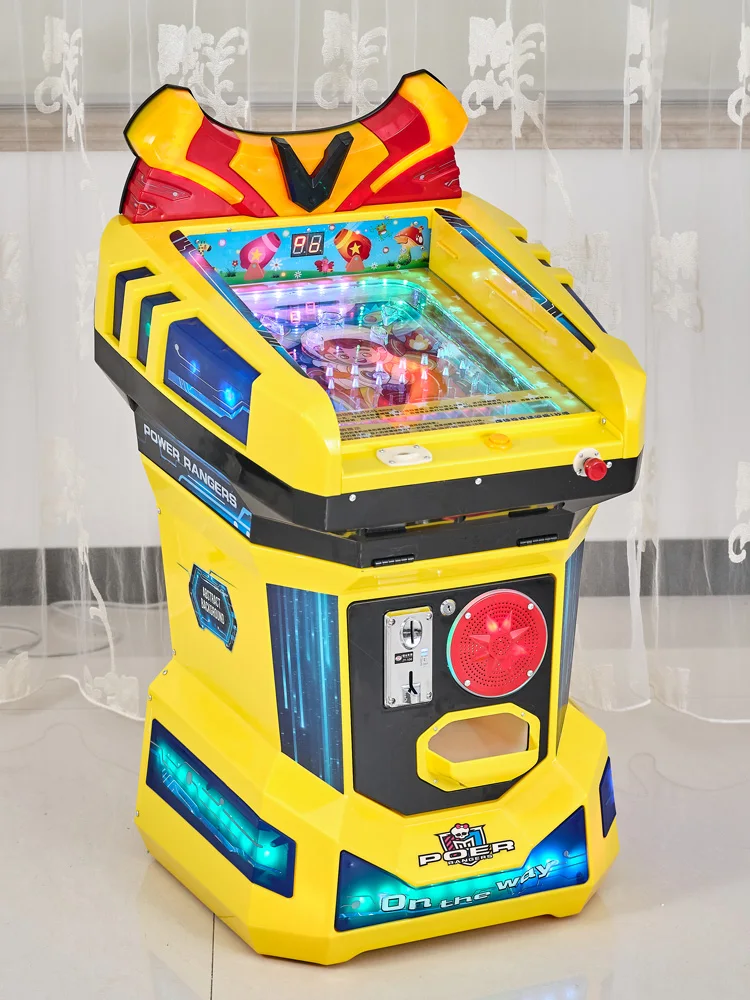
<point x="465" y="845"/>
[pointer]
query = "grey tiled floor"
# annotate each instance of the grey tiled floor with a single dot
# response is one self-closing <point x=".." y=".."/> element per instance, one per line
<point x="85" y="913"/>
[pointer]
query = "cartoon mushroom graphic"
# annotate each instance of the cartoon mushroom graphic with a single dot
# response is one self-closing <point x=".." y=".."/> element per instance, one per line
<point x="353" y="247"/>
<point x="257" y="253"/>
<point x="410" y="237"/>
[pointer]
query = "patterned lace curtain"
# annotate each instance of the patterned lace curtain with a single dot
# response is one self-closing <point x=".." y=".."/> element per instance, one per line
<point x="614" y="132"/>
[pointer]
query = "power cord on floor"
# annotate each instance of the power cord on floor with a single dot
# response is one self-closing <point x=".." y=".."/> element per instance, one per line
<point x="70" y="609"/>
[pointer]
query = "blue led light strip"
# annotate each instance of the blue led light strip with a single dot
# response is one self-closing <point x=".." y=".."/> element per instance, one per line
<point x="305" y="646"/>
<point x="219" y="408"/>
<point x="262" y="853"/>
<point x="511" y="271"/>
<point x="367" y="895"/>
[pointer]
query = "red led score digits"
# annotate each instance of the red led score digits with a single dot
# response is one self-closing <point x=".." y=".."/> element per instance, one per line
<point x="307" y="244"/>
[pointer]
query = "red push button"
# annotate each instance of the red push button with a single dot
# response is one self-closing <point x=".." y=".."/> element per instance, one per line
<point x="595" y="469"/>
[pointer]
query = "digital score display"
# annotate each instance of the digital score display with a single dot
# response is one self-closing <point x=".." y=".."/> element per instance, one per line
<point x="307" y="244"/>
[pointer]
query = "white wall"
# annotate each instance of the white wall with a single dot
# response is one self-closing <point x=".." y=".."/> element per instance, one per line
<point x="67" y="439"/>
<point x="701" y="411"/>
<point x="585" y="49"/>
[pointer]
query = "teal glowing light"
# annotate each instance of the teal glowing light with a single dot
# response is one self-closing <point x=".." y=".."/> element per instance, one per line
<point x="260" y="851"/>
<point x="367" y="895"/>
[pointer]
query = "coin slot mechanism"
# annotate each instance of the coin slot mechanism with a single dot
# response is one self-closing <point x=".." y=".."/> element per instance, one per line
<point x="407" y="667"/>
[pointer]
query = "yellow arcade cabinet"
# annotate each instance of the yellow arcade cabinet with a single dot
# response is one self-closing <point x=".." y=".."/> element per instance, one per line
<point x="377" y="424"/>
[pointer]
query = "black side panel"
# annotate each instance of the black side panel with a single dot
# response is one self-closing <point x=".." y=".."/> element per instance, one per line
<point x="571" y="593"/>
<point x="505" y="491"/>
<point x="120" y="282"/>
<point x="239" y="470"/>
<point x="384" y="740"/>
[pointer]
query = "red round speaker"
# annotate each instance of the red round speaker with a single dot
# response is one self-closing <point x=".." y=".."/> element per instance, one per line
<point x="497" y="643"/>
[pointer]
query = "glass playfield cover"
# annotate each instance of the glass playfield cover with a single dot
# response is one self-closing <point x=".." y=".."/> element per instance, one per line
<point x="393" y="346"/>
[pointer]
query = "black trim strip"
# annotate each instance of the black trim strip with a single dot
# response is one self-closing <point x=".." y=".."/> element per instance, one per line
<point x="371" y="508"/>
<point x="385" y="546"/>
<point x="415" y="544"/>
<point x="144" y="316"/>
<point x="583" y="306"/>
<point x="120" y="282"/>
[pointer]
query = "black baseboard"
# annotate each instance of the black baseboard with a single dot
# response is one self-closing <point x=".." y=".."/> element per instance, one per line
<point x="690" y="566"/>
<point x="676" y="567"/>
<point x="43" y="576"/>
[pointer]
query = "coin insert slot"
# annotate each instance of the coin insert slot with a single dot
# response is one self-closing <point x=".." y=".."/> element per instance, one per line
<point x="407" y="659"/>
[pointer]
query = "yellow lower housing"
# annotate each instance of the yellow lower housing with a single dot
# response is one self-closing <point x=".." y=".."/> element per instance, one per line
<point x="221" y="705"/>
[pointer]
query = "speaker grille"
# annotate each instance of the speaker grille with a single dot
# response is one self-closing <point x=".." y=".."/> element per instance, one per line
<point x="497" y="643"/>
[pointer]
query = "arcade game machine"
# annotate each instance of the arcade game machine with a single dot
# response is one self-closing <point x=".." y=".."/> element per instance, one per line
<point x="377" y="424"/>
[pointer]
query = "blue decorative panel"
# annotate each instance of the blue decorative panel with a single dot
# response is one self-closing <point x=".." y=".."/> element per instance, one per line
<point x="201" y="369"/>
<point x="367" y="895"/>
<point x="512" y="272"/>
<point x="195" y="474"/>
<point x="305" y="645"/>
<point x="241" y="255"/>
<point x="607" y="798"/>
<point x="144" y="321"/>
<point x="570" y="617"/>
<point x="213" y="606"/>
<point x="262" y="853"/>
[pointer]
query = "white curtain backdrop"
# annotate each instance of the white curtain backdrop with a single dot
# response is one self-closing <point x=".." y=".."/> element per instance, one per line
<point x="613" y="131"/>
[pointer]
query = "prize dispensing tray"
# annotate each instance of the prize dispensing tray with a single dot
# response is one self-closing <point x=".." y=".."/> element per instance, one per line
<point x="377" y="424"/>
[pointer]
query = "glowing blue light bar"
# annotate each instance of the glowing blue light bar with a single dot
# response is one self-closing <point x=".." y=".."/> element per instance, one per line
<point x="261" y="852"/>
<point x="367" y="895"/>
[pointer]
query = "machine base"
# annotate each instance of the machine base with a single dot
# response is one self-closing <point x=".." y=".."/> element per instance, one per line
<point x="213" y="811"/>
